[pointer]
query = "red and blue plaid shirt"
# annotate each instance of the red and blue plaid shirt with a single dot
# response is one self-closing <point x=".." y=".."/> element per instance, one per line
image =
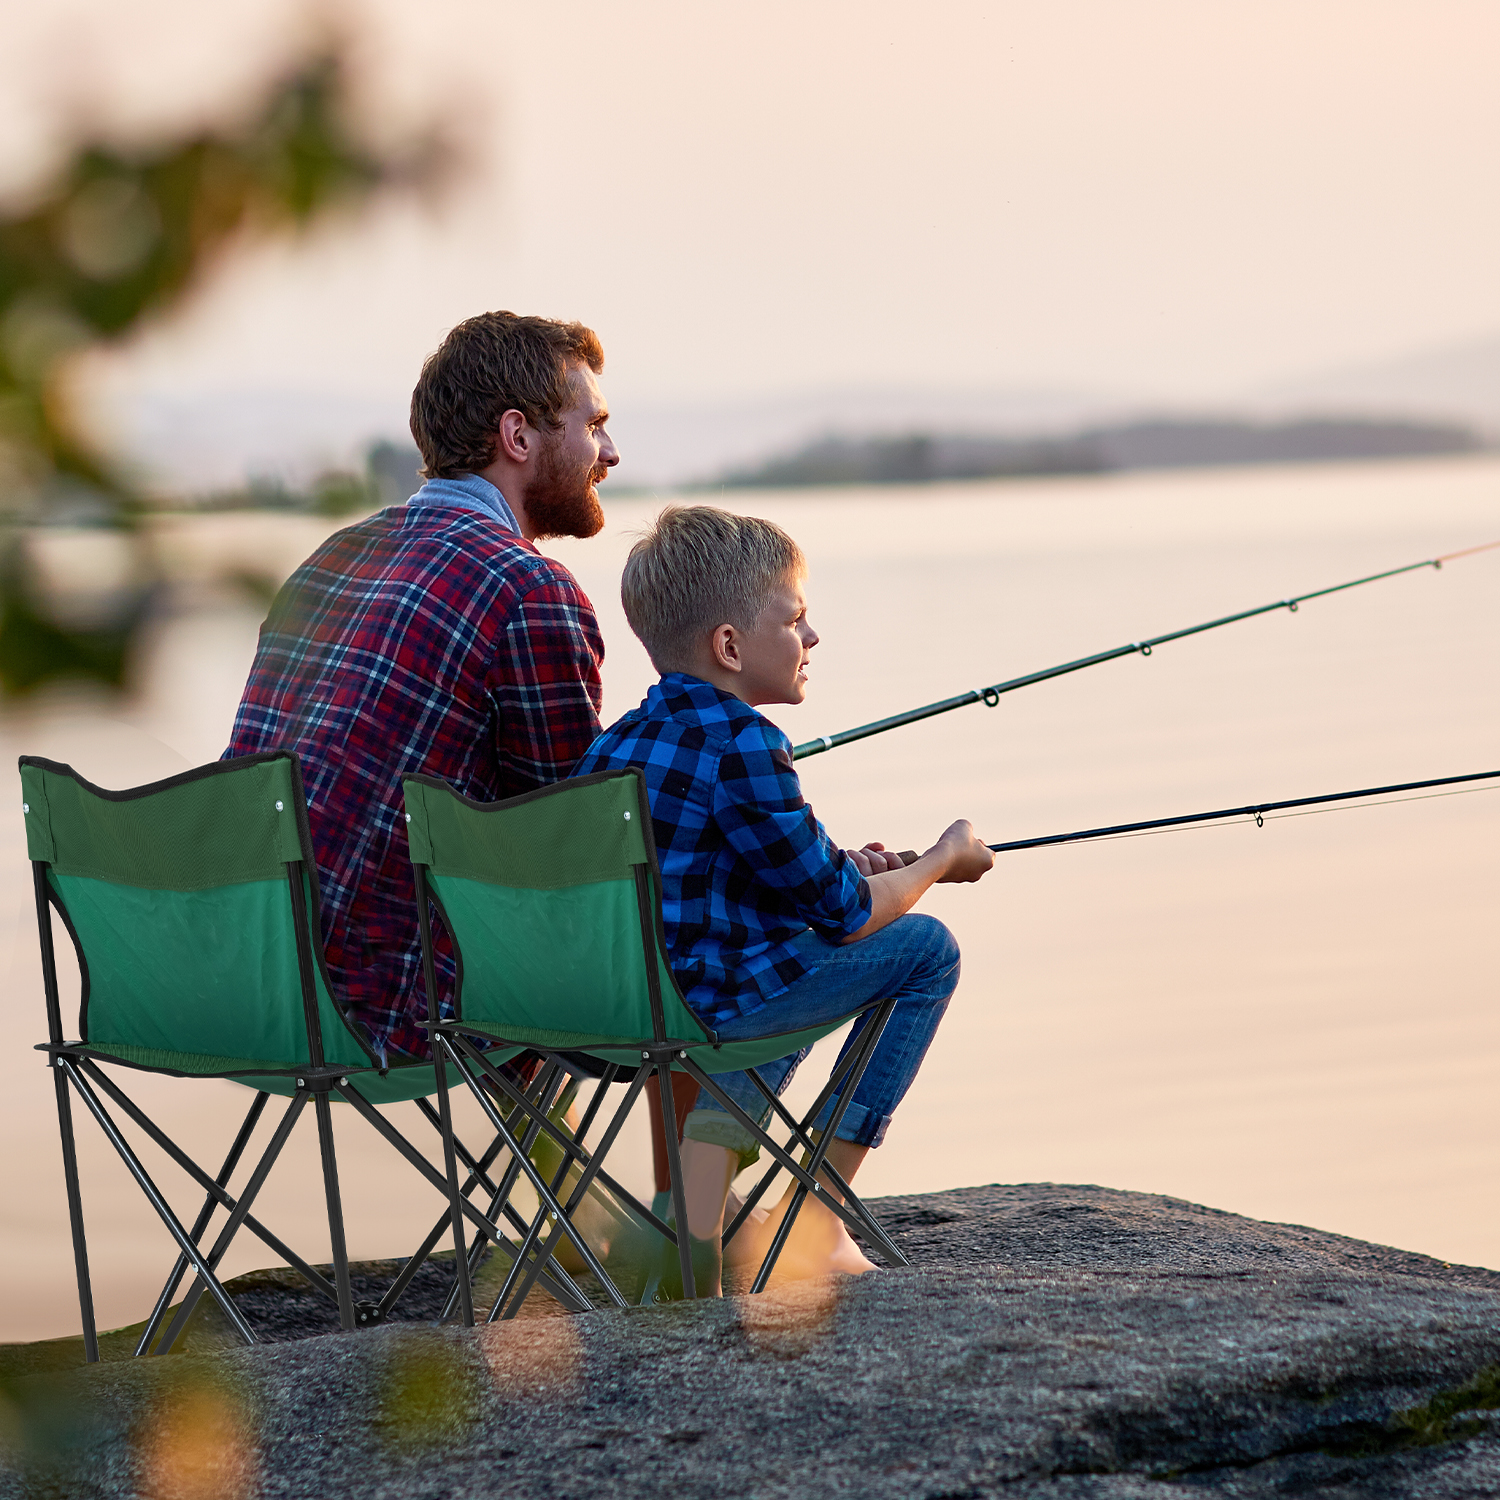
<point x="428" y="638"/>
<point x="745" y="866"/>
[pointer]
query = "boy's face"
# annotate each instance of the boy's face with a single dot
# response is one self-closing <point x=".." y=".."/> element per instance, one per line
<point x="773" y="653"/>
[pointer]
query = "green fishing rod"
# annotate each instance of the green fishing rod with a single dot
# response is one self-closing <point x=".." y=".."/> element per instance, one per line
<point x="1256" y="810"/>
<point x="990" y="696"/>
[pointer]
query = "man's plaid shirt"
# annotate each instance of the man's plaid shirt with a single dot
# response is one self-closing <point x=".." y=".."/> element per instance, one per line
<point x="745" y="866"/>
<point x="426" y="639"/>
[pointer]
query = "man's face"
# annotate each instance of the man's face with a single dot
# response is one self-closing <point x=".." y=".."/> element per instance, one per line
<point x="561" y="500"/>
<point x="773" y="653"/>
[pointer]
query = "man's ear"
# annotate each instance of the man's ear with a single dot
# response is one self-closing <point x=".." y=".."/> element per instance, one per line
<point x="725" y="645"/>
<point x="517" y="438"/>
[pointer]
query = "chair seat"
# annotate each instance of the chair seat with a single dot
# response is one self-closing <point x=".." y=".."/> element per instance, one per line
<point x="415" y="1081"/>
<point x="726" y="1057"/>
<point x="182" y="1064"/>
<point x="396" y="1087"/>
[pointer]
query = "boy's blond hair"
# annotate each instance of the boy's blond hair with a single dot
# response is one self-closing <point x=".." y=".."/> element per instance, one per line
<point x="697" y="568"/>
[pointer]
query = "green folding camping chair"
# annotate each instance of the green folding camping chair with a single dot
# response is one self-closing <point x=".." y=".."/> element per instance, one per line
<point x="192" y="905"/>
<point x="553" y="903"/>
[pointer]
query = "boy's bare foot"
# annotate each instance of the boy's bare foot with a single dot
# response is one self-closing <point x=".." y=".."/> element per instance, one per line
<point x="819" y="1245"/>
<point x="751" y="1240"/>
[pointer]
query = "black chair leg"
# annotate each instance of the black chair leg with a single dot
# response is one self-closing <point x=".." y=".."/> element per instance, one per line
<point x="225" y="1200"/>
<point x="840" y="1072"/>
<point x="237" y="1217"/>
<point x="539" y="1185"/>
<point x="864" y="1051"/>
<point x="580" y="1190"/>
<point x="335" y="1211"/>
<point x="158" y="1202"/>
<point x="778" y="1153"/>
<point x="231" y="1161"/>
<point x="455" y="1207"/>
<point x="674" y="1171"/>
<point x="75" y="1215"/>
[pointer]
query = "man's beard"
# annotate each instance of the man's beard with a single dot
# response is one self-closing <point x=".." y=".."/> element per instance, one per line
<point x="562" y="501"/>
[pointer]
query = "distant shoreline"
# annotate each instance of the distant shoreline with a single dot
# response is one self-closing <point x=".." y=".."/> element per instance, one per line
<point x="1160" y="443"/>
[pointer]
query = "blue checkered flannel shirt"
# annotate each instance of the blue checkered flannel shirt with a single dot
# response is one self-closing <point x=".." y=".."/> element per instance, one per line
<point x="745" y="866"/>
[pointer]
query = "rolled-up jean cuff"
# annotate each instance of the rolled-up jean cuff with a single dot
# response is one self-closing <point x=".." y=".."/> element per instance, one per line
<point x="860" y="1126"/>
<point x="715" y="1127"/>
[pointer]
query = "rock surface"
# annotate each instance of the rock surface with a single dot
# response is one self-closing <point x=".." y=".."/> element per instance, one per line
<point x="1047" y="1341"/>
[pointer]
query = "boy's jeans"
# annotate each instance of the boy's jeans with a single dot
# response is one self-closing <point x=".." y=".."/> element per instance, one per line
<point x="914" y="959"/>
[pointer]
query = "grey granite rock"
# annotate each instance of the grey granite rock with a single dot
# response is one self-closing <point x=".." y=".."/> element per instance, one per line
<point x="1047" y="1341"/>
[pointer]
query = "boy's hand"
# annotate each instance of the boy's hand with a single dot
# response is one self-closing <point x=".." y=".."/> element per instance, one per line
<point x="965" y="854"/>
<point x="875" y="859"/>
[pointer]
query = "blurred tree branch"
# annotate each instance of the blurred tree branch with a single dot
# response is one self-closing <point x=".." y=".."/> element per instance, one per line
<point x="115" y="239"/>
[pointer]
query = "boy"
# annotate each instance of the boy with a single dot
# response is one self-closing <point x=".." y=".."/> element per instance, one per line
<point x="769" y="926"/>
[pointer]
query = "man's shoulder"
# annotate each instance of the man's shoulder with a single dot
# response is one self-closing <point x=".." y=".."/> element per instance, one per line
<point x="416" y="544"/>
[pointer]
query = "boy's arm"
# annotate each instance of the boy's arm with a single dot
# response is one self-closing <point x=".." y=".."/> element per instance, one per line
<point x="759" y="810"/>
<point x="959" y="856"/>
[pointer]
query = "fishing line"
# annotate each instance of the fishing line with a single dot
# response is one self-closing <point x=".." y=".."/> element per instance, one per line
<point x="1257" y="811"/>
<point x="1317" y="812"/>
<point x="990" y="696"/>
<point x="1311" y="812"/>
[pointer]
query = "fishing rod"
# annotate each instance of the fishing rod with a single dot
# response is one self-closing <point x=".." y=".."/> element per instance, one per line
<point x="990" y="696"/>
<point x="1257" y="810"/>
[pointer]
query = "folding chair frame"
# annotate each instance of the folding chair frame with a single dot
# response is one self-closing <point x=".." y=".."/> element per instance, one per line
<point x="76" y="1070"/>
<point x="452" y="1043"/>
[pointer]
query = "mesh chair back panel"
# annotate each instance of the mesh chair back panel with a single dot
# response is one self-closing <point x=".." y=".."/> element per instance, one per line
<point x="539" y="894"/>
<point x="209" y="974"/>
<point x="396" y="1087"/>
<point x="731" y="1057"/>
<point x="189" y="972"/>
<point x="190" y="833"/>
<point x="566" y="962"/>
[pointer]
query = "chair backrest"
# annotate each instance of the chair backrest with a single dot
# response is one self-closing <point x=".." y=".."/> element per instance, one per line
<point x="192" y="904"/>
<point x="553" y="903"/>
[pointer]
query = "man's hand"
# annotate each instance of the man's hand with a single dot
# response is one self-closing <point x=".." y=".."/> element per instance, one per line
<point x="964" y="852"/>
<point x="875" y="859"/>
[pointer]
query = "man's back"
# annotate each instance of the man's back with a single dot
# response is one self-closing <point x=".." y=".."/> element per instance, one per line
<point x="427" y="639"/>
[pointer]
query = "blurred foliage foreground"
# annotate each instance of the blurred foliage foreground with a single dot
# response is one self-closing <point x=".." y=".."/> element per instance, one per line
<point x="114" y="239"/>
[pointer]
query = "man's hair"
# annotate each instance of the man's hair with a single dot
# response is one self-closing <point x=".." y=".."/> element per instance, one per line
<point x="697" y="568"/>
<point x="489" y="365"/>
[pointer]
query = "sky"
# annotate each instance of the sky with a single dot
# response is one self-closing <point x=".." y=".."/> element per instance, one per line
<point x="1167" y="199"/>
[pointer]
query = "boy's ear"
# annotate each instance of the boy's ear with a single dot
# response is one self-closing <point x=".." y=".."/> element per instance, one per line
<point x="725" y="645"/>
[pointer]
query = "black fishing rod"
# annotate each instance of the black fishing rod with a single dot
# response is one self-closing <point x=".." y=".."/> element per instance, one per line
<point x="990" y="696"/>
<point x="1256" y="810"/>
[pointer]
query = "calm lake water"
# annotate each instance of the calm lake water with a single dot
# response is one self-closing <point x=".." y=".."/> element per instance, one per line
<point x="1298" y="1022"/>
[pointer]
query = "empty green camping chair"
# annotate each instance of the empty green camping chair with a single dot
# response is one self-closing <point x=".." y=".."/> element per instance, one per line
<point x="192" y="904"/>
<point x="553" y="903"/>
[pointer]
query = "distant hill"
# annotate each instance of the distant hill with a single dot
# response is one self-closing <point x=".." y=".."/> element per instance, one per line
<point x="1164" y="443"/>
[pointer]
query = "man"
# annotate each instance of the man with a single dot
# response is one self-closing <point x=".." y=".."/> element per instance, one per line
<point x="434" y="638"/>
